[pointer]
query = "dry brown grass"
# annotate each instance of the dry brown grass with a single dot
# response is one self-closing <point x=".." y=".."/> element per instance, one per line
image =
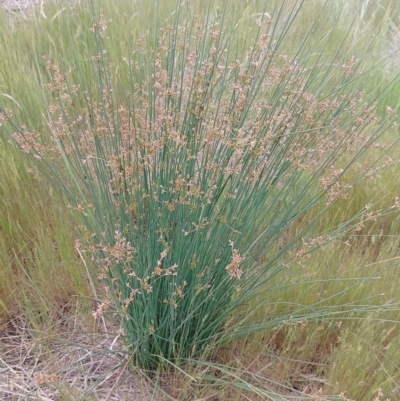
<point x="80" y="359"/>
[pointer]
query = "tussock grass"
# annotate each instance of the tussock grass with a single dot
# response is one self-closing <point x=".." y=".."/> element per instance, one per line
<point x="131" y="128"/>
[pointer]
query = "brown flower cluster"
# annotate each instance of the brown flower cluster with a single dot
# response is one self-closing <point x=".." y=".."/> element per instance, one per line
<point x="233" y="267"/>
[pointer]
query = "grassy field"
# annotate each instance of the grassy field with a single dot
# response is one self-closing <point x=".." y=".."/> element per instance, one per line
<point x="114" y="105"/>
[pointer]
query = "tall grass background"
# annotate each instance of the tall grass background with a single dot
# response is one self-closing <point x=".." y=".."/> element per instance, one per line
<point x="330" y="323"/>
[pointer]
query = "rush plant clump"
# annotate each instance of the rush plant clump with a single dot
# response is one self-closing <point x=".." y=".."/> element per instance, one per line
<point x="187" y="161"/>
